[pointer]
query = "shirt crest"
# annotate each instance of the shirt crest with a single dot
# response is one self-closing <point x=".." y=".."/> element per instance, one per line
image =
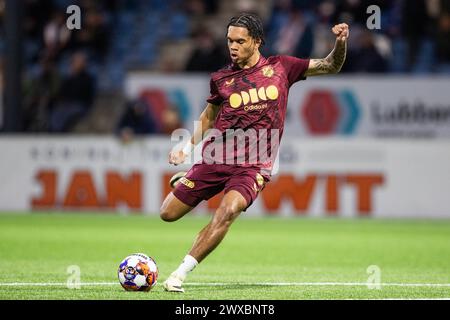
<point x="268" y="71"/>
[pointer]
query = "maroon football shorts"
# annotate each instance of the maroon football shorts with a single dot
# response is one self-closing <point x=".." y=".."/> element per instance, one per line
<point x="203" y="181"/>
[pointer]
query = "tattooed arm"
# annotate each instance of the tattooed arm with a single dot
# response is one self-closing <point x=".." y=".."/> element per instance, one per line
<point x="334" y="61"/>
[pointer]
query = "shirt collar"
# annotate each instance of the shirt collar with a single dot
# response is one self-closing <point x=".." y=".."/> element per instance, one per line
<point x="260" y="62"/>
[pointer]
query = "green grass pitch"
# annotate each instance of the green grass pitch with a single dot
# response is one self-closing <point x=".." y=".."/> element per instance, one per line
<point x="260" y="258"/>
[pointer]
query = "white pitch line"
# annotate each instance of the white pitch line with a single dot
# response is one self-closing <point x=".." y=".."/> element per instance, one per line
<point x="49" y="284"/>
<point x="320" y="284"/>
<point x="219" y="284"/>
<point x="408" y="299"/>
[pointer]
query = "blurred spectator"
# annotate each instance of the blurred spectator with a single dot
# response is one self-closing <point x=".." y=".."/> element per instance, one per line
<point x="323" y="37"/>
<point x="443" y="43"/>
<point x="211" y="6"/>
<point x="56" y="35"/>
<point x="295" y="36"/>
<point x="75" y="96"/>
<point x="289" y="31"/>
<point x="207" y="55"/>
<point x="196" y="8"/>
<point x="37" y="15"/>
<point x="366" y="57"/>
<point x="94" y="35"/>
<point x="351" y="11"/>
<point x="416" y="27"/>
<point x="171" y="120"/>
<point x="40" y="94"/>
<point x="136" y="120"/>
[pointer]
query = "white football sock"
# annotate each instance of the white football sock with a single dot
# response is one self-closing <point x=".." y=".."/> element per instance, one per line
<point x="188" y="264"/>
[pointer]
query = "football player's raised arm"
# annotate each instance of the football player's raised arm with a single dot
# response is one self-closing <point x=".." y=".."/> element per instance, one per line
<point x="334" y="61"/>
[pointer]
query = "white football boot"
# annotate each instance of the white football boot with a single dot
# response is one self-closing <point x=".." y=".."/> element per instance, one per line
<point x="173" y="283"/>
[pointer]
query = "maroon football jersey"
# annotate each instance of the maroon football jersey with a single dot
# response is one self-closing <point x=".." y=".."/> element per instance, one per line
<point x="249" y="125"/>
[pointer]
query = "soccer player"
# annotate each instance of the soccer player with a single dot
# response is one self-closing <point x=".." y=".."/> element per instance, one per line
<point x="249" y="95"/>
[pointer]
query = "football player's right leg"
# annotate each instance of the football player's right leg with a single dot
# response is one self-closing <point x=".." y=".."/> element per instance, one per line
<point x="173" y="209"/>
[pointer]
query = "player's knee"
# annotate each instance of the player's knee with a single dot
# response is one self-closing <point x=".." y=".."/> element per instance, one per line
<point x="167" y="215"/>
<point x="166" y="211"/>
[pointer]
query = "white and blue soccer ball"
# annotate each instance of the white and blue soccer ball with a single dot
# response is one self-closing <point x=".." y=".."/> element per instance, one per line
<point x="138" y="272"/>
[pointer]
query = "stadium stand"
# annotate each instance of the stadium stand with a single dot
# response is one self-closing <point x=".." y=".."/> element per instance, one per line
<point x="161" y="36"/>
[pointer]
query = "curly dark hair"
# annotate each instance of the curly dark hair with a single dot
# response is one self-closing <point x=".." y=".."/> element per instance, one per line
<point x="251" y="22"/>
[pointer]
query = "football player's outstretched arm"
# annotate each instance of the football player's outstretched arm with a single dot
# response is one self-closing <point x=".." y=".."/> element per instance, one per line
<point x="207" y="118"/>
<point x="334" y="61"/>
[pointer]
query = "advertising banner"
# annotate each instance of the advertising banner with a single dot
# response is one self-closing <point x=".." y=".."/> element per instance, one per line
<point x="319" y="177"/>
<point x="378" y="107"/>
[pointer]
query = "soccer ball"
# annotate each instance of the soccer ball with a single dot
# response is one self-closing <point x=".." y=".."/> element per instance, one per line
<point x="138" y="272"/>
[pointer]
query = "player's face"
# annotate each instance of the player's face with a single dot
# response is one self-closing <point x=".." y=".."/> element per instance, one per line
<point x="240" y="44"/>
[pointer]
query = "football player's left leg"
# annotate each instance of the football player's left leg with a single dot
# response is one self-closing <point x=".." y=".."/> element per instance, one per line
<point x="232" y="204"/>
<point x="173" y="208"/>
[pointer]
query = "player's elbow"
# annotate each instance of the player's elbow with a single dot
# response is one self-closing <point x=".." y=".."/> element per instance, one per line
<point x="334" y="67"/>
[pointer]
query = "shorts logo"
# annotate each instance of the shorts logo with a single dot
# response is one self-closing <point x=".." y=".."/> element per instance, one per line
<point x="259" y="180"/>
<point x="268" y="71"/>
<point x="257" y="187"/>
<point x="253" y="95"/>
<point x="188" y="183"/>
